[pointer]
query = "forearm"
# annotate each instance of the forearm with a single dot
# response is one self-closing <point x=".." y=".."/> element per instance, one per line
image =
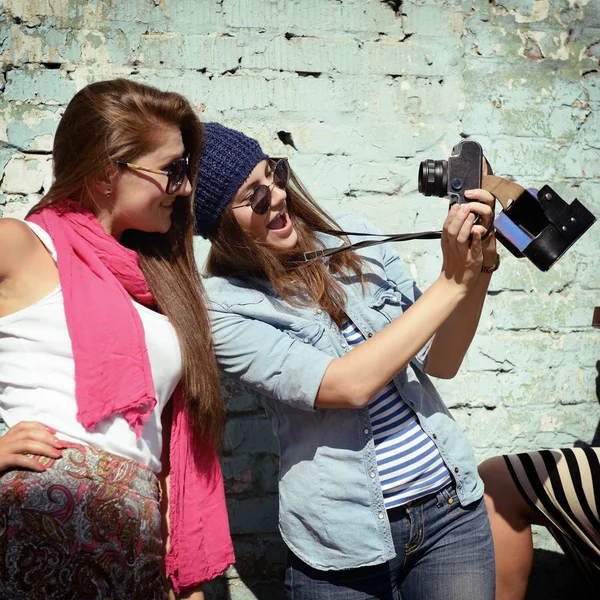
<point x="452" y="340"/>
<point x="353" y="380"/>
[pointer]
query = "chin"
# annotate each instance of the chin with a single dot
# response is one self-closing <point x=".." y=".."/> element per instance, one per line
<point x="288" y="243"/>
<point x="162" y="226"/>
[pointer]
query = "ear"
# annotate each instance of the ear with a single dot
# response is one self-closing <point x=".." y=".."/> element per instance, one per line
<point x="106" y="179"/>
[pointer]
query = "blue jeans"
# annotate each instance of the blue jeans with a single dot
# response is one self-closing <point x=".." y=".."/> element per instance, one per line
<point x="443" y="552"/>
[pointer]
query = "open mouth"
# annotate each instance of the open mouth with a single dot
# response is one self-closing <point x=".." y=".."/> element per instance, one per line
<point x="279" y="222"/>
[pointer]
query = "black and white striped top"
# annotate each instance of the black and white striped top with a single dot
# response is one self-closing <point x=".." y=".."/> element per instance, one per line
<point x="409" y="464"/>
<point x="564" y="486"/>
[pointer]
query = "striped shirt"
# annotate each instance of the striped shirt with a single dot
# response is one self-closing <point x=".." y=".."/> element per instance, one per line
<point x="409" y="464"/>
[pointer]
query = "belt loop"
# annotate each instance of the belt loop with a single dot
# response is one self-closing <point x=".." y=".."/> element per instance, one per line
<point x="440" y="498"/>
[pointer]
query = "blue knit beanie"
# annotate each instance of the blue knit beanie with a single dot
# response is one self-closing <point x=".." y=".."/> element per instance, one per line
<point x="228" y="158"/>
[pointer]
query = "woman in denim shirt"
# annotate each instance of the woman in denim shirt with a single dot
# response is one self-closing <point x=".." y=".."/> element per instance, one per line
<point x="379" y="492"/>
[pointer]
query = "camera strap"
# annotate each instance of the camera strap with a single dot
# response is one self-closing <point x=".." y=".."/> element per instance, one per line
<point x="504" y="190"/>
<point x="399" y="237"/>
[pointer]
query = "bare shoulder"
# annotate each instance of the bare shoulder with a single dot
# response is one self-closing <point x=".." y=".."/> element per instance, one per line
<point x="15" y="233"/>
<point x="16" y="241"/>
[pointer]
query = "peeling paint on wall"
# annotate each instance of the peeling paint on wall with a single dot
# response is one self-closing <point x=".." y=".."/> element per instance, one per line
<point x="357" y="93"/>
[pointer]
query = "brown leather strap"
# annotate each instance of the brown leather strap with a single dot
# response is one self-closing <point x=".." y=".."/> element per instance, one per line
<point x="503" y="189"/>
<point x="596" y="317"/>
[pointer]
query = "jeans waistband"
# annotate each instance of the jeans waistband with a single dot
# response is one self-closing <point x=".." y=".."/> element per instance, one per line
<point x="442" y="496"/>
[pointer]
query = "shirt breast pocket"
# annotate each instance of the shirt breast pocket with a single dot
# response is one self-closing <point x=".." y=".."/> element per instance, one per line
<point x="388" y="301"/>
<point x="308" y="332"/>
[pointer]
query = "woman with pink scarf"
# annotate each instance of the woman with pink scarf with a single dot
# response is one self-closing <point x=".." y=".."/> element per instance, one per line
<point x="107" y="383"/>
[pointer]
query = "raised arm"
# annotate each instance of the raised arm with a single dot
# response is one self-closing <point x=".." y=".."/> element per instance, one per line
<point x="354" y="379"/>
<point x="453" y="338"/>
<point x="273" y="363"/>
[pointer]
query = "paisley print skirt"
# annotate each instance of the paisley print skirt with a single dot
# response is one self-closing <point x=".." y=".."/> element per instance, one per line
<point x="87" y="527"/>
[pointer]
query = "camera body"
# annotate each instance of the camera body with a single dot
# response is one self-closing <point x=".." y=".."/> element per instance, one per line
<point x="540" y="226"/>
<point x="462" y="171"/>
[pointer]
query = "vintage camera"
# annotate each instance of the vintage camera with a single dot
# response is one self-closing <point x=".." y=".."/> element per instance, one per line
<point x="461" y="172"/>
<point x="538" y="225"/>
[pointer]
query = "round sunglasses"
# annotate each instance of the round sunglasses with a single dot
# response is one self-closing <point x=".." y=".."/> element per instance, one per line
<point x="176" y="173"/>
<point x="260" y="199"/>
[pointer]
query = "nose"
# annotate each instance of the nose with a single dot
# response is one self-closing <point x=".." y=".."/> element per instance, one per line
<point x="278" y="196"/>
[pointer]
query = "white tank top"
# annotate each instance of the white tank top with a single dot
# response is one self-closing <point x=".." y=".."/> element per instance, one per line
<point x="37" y="375"/>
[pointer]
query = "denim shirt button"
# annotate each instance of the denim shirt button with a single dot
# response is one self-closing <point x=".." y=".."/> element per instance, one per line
<point x="306" y="340"/>
<point x="434" y="436"/>
<point x="319" y="311"/>
<point x="372" y="474"/>
<point x="380" y="515"/>
<point x="366" y="431"/>
<point x="456" y="470"/>
<point x="343" y="344"/>
<point x="369" y="335"/>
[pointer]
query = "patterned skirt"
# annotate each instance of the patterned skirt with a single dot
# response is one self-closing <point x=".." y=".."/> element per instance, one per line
<point x="564" y="487"/>
<point x="87" y="527"/>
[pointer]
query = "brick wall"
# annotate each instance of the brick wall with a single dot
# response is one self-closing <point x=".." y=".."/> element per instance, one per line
<point x="357" y="93"/>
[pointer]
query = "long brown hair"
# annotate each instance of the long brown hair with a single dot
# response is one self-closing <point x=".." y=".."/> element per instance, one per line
<point x="120" y="120"/>
<point x="235" y="253"/>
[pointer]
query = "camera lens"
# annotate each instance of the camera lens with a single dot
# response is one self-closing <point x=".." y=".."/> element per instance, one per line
<point x="433" y="178"/>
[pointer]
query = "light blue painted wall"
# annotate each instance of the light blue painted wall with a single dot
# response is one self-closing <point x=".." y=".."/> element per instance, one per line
<point x="366" y="89"/>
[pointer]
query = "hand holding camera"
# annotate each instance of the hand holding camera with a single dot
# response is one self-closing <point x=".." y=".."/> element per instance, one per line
<point x="461" y="248"/>
<point x="540" y="226"/>
<point x="464" y="241"/>
<point x="481" y="202"/>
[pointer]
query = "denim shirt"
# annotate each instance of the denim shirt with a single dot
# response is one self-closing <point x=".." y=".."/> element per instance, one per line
<point x="331" y="508"/>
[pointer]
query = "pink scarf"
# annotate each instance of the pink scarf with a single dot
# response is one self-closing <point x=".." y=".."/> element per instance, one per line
<point x="98" y="277"/>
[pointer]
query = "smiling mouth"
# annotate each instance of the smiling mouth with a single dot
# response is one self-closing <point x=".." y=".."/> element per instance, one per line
<point x="279" y="222"/>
